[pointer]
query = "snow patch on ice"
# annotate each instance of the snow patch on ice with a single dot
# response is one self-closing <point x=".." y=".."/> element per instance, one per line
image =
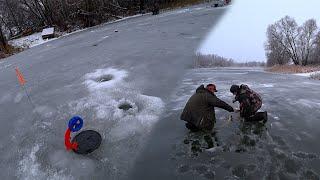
<point x="139" y="123"/>
<point x="82" y="166"/>
<point x="267" y="85"/>
<point x="298" y="138"/>
<point x="279" y="125"/>
<point x="310" y="83"/>
<point x="5" y="98"/>
<point x="106" y="97"/>
<point x="44" y="111"/>
<point x="29" y="168"/>
<point x="187" y="83"/>
<point x="5" y="66"/>
<point x="306" y="134"/>
<point x="94" y="80"/>
<point x="198" y="8"/>
<point x="184" y="80"/>
<point x="192" y="37"/>
<point x="308" y="103"/>
<point x="18" y="97"/>
<point x="181" y="11"/>
<point x="215" y="150"/>
<point x="175" y="12"/>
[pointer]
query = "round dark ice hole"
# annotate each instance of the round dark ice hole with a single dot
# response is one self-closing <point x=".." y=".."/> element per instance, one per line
<point x="105" y="78"/>
<point x="125" y="106"/>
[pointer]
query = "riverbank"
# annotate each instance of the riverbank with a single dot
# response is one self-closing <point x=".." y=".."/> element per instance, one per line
<point x="307" y="71"/>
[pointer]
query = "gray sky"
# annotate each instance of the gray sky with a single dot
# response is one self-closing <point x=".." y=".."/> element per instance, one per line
<point x="242" y="31"/>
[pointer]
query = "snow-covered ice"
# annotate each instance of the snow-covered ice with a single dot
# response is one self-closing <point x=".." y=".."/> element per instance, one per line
<point x="5" y="66"/>
<point x="44" y="111"/>
<point x="18" y="97"/>
<point x="120" y="128"/>
<point x="30" y="168"/>
<point x="108" y="91"/>
<point x="5" y="98"/>
<point x="111" y="78"/>
<point x="267" y="85"/>
<point x="307" y="103"/>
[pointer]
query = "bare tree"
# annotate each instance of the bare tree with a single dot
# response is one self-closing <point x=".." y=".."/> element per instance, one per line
<point x="316" y="51"/>
<point x="287" y="41"/>
<point x="306" y="38"/>
<point x="275" y="52"/>
<point x="3" y="40"/>
<point x="141" y="6"/>
<point x="286" y="32"/>
<point x="213" y="60"/>
<point x="13" y="15"/>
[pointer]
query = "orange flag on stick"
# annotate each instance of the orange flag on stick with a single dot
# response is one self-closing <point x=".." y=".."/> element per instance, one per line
<point x="20" y="77"/>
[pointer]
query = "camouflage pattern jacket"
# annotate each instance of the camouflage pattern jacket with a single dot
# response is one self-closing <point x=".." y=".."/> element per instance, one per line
<point x="250" y="101"/>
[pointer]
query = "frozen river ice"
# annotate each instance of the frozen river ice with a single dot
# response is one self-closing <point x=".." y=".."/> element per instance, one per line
<point x="284" y="148"/>
<point x="95" y="74"/>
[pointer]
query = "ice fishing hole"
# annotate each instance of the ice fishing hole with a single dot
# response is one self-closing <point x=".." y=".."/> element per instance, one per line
<point x="105" y="78"/>
<point x="125" y="106"/>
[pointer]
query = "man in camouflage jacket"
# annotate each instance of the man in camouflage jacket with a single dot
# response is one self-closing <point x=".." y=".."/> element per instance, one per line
<point x="250" y="103"/>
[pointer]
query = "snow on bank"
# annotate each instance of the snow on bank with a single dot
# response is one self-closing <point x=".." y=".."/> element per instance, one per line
<point x="307" y="74"/>
<point x="36" y="38"/>
<point x="29" y="41"/>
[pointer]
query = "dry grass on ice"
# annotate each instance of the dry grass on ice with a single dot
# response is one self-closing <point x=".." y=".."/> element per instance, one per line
<point x="293" y="69"/>
<point x="8" y="51"/>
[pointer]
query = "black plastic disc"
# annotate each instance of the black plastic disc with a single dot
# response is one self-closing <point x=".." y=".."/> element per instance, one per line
<point x="88" y="141"/>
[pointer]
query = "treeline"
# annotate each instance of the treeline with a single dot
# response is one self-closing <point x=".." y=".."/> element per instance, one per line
<point x="213" y="60"/>
<point x="287" y="42"/>
<point x="23" y="17"/>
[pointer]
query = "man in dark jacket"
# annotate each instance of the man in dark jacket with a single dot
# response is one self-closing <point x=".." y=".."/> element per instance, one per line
<point x="250" y="103"/>
<point x="199" y="111"/>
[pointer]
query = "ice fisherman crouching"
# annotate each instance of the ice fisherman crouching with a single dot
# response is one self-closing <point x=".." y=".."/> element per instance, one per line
<point x="199" y="112"/>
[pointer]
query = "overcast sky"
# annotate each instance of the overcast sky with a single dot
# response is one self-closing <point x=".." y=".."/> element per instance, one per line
<point x="242" y="31"/>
